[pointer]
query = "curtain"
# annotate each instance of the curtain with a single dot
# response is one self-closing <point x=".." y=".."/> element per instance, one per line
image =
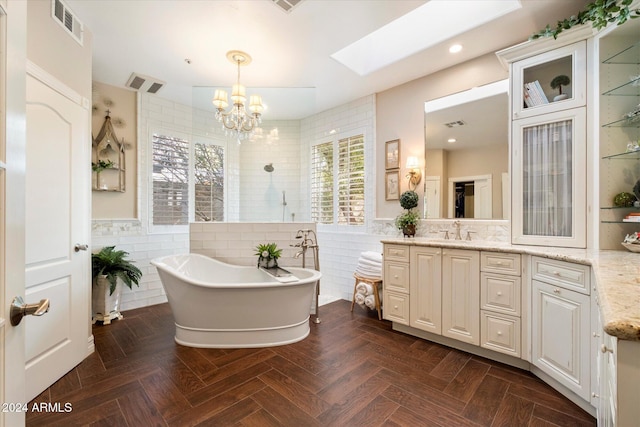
<point x="547" y="179"/>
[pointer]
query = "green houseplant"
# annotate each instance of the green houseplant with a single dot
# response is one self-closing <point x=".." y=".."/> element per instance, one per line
<point x="408" y="221"/>
<point x="557" y="83"/>
<point x="600" y="13"/>
<point x="107" y="266"/>
<point x="268" y="254"/>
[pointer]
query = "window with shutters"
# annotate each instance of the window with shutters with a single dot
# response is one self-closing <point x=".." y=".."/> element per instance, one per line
<point x="186" y="177"/>
<point x="337" y="182"/>
<point x="322" y="183"/>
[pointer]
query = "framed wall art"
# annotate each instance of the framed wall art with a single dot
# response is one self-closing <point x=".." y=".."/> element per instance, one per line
<point x="392" y="185"/>
<point x="392" y="154"/>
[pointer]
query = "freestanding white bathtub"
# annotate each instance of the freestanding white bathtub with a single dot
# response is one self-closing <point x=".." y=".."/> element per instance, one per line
<point x="220" y="305"/>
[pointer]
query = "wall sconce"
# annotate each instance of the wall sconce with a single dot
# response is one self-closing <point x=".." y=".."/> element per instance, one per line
<point x="414" y="175"/>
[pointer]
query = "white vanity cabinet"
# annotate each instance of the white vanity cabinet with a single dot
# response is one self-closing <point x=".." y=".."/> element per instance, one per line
<point x="396" y="283"/>
<point x="561" y="323"/>
<point x="445" y="292"/>
<point x="461" y="295"/>
<point x="500" y="302"/>
<point x="617" y="392"/>
<point x="426" y="289"/>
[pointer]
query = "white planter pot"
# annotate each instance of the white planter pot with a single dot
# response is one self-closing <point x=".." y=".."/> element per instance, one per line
<point x="105" y="307"/>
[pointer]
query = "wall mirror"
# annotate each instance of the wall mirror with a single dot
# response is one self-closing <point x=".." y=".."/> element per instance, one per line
<point x="467" y="154"/>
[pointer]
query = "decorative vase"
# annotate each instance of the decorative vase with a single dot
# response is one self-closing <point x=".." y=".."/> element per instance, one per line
<point x="267" y="262"/>
<point x="105" y="307"/>
<point x="409" y="230"/>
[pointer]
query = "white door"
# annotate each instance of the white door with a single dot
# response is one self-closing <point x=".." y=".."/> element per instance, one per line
<point x="432" y="197"/>
<point x="12" y="104"/>
<point x="57" y="220"/>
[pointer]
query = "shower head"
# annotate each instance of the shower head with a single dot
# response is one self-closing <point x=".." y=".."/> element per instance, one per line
<point x="269" y="167"/>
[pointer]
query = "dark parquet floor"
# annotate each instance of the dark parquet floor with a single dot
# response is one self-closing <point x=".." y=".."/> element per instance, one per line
<point x="352" y="370"/>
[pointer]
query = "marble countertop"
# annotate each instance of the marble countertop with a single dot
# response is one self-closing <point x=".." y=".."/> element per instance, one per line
<point x="617" y="275"/>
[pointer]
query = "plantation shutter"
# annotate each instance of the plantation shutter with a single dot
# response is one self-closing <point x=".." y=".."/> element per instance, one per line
<point x="170" y="180"/>
<point x="351" y="181"/>
<point x="209" y="182"/>
<point x="322" y="183"/>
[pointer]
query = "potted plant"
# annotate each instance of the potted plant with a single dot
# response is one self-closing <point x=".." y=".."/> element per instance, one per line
<point x="557" y="83"/>
<point x="408" y="221"/>
<point x="268" y="254"/>
<point x="107" y="266"/>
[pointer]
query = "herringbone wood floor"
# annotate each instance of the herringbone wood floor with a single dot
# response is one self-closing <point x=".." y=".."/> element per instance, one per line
<point x="352" y="370"/>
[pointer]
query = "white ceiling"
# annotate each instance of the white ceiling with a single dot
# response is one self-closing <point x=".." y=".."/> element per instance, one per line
<point x="290" y="51"/>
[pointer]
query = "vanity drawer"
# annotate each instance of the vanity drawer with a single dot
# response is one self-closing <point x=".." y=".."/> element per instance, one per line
<point x="499" y="332"/>
<point x="561" y="273"/>
<point x="504" y="263"/>
<point x="500" y="293"/>
<point x="395" y="307"/>
<point x="396" y="276"/>
<point x="396" y="253"/>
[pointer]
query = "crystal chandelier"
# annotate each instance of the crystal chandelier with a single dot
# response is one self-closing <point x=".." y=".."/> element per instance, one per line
<point x="238" y="121"/>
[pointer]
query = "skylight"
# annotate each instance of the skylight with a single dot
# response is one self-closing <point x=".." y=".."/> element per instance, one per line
<point x="425" y="26"/>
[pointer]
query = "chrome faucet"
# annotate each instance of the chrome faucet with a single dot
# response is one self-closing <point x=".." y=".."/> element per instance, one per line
<point x="309" y="240"/>
<point x="457" y="225"/>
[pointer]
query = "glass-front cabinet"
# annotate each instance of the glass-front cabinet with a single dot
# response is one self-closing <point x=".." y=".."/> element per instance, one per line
<point x="549" y="82"/>
<point x="549" y="191"/>
<point x="549" y="141"/>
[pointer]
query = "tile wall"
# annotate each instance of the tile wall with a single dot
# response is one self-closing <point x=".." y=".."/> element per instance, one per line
<point x="340" y="247"/>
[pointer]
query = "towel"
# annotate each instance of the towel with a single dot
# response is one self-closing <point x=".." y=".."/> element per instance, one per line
<point x="364" y="288"/>
<point x="359" y="299"/>
<point x="372" y="256"/>
<point x="370" y="302"/>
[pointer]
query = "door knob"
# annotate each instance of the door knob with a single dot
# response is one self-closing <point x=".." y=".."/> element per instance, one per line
<point x="78" y="247"/>
<point x="19" y="309"/>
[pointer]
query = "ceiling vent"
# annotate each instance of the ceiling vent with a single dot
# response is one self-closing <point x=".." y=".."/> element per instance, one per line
<point x="143" y="83"/>
<point x="455" y="124"/>
<point x="286" y="5"/>
<point x="64" y="16"/>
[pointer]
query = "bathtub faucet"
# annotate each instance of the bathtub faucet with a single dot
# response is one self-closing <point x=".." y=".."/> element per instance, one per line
<point x="309" y="240"/>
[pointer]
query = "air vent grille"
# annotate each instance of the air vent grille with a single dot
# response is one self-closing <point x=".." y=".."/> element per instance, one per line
<point x="143" y="83"/>
<point x="64" y="16"/>
<point x="455" y="124"/>
<point x="286" y="5"/>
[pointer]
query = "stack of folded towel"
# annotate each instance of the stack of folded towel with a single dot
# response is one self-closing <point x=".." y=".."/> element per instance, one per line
<point x="369" y="265"/>
<point x="364" y="296"/>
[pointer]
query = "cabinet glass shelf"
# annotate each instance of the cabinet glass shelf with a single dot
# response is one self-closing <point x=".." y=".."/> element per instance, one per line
<point x="631" y="155"/>
<point x="629" y="55"/>
<point x="630" y="88"/>
<point x="623" y="123"/>
<point x="618" y="207"/>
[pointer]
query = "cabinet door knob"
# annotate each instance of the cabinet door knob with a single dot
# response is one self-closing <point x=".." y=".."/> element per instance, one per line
<point x="596" y="395"/>
<point x="604" y="349"/>
<point x="499" y="333"/>
<point x="395" y="307"/>
<point x="395" y="276"/>
<point x="556" y="291"/>
<point x="499" y="293"/>
<point x="555" y="273"/>
<point x="596" y="335"/>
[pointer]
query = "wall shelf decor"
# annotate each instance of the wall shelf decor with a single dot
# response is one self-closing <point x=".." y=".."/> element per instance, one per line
<point x="107" y="159"/>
